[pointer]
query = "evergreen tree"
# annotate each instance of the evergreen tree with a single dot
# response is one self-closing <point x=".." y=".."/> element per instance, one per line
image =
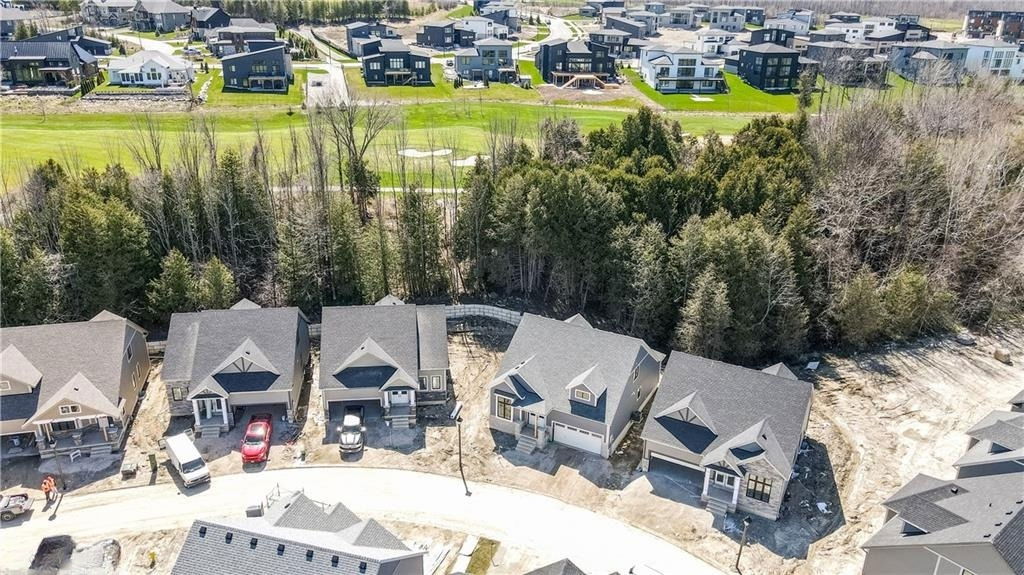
<point x="419" y="225"/>
<point x="914" y="306"/>
<point x="345" y="254"/>
<point x="705" y="319"/>
<point x="21" y="31"/>
<point x="858" y="311"/>
<point x="297" y="265"/>
<point x="10" y="279"/>
<point x="217" y="289"/>
<point x="377" y="262"/>
<point x="175" y="289"/>
<point x="39" y="291"/>
<point x="641" y="255"/>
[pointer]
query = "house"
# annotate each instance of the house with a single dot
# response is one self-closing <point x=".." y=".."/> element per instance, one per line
<point x="882" y="42"/>
<point x="10" y="18"/>
<point x="676" y="70"/>
<point x="560" y="567"/>
<point x="615" y="40"/>
<point x="502" y="13"/>
<point x="752" y="14"/>
<point x="655" y="6"/>
<point x="489" y="59"/>
<point x="150" y="69"/>
<point x="794" y="25"/>
<point x="958" y="526"/>
<point x="362" y="38"/>
<point x="700" y="11"/>
<point x="220" y="360"/>
<point x="208" y="18"/>
<point x="70" y="386"/>
<point x="75" y="35"/>
<point x="989" y="56"/>
<point x="570" y="383"/>
<point x="845" y="17"/>
<point x="55" y="65"/>
<point x="650" y="20"/>
<point x="1017" y="403"/>
<point x="931" y="62"/>
<point x="727" y="18"/>
<point x="827" y="34"/>
<point x="878" y="24"/>
<point x="1005" y="25"/>
<point x="160" y="16"/>
<point x="711" y="41"/>
<point x="574" y="63"/>
<point x="773" y="36"/>
<point x="266" y="70"/>
<point x="236" y="38"/>
<point x="295" y="534"/>
<point x="593" y="8"/>
<point x="996" y="446"/>
<point x="905" y="18"/>
<point x="484" y="27"/>
<point x="396" y="64"/>
<point x="386" y="359"/>
<point x="107" y="12"/>
<point x="632" y="27"/>
<point x="914" y="32"/>
<point x="769" y="67"/>
<point x="739" y="429"/>
<point x="848" y="64"/>
<point x="439" y="35"/>
<point x="798" y="14"/>
<point x="683" y="16"/>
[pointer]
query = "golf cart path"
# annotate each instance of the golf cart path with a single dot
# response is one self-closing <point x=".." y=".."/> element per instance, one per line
<point x="549" y="527"/>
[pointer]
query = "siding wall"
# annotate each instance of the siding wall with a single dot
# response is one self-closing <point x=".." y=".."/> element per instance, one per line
<point x="650" y="375"/>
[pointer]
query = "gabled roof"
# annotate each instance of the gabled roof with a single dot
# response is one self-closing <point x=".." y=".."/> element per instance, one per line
<point x="164" y="7"/>
<point x="79" y="352"/>
<point x="204" y="13"/>
<point x="547" y="354"/>
<point x="296" y="535"/>
<point x="24" y="50"/>
<point x="561" y="567"/>
<point x="999" y="437"/>
<point x="985" y="510"/>
<point x="16" y="367"/>
<point x="492" y="41"/>
<point x="81" y="391"/>
<point x="245" y="55"/>
<point x="142" y="57"/>
<point x="1018" y="399"/>
<point x="412" y="338"/>
<point x="769" y="48"/>
<point x="202" y="346"/>
<point x="251" y="23"/>
<point x="739" y="407"/>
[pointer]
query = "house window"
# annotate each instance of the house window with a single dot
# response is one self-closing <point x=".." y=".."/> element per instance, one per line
<point x="759" y="488"/>
<point x="375" y="65"/>
<point x="420" y="64"/>
<point x="435" y="382"/>
<point x="504" y="410"/>
<point x="128" y="352"/>
<point x="423" y="382"/>
<point x="232" y="67"/>
<point x="178" y="393"/>
<point x="5" y="385"/>
<point x="58" y="426"/>
<point x="395" y="63"/>
<point x="582" y="395"/>
<point x="69" y="409"/>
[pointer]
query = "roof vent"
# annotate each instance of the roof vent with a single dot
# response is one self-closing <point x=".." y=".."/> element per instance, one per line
<point x="309" y="555"/>
<point x="253" y="542"/>
<point x="228" y="536"/>
<point x="1000" y="524"/>
<point x="334" y="560"/>
<point x="362" y="566"/>
<point x="987" y="535"/>
<point x="280" y="548"/>
<point x="202" y="531"/>
<point x="955" y="489"/>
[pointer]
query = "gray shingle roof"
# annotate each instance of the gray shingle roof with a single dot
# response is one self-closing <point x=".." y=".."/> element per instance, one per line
<point x="296" y="536"/>
<point x="769" y="48"/>
<point x="43" y="50"/>
<point x="742" y="406"/>
<point x="561" y="567"/>
<point x="164" y="7"/>
<point x="983" y="510"/>
<point x="1018" y="399"/>
<point x="414" y="336"/>
<point x="1000" y="437"/>
<point x="199" y="343"/>
<point x="557" y="352"/>
<point x="61" y="351"/>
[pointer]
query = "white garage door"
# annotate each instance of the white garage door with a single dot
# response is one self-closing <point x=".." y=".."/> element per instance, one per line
<point x="578" y="438"/>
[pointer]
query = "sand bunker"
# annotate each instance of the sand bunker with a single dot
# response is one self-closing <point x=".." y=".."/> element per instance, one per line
<point x="414" y="153"/>
<point x="701" y="99"/>
<point x="468" y="162"/>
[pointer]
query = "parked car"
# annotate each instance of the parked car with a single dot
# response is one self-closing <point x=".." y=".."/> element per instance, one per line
<point x="256" y="441"/>
<point x="352" y="433"/>
<point x="185" y="458"/>
<point x="12" y="506"/>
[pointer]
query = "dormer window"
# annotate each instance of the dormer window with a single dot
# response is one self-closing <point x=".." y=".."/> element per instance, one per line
<point x="5" y="385"/>
<point x="910" y="530"/>
<point x="583" y="395"/>
<point x="636" y="373"/>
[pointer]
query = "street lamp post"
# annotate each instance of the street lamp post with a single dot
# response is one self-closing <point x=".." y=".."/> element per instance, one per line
<point x="458" y="425"/>
<point x="743" y="541"/>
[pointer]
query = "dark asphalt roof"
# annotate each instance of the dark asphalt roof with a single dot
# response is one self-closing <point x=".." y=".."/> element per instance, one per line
<point x="49" y="50"/>
<point x="199" y="343"/>
<point x="982" y="510"/>
<point x="61" y="351"/>
<point x="432" y="330"/>
<point x="548" y="354"/>
<point x="769" y="48"/>
<point x="356" y="377"/>
<point x="240" y="56"/>
<point x="562" y="567"/>
<point x="739" y="405"/>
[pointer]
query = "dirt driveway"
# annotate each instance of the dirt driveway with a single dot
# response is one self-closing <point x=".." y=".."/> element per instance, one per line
<point x="877" y="419"/>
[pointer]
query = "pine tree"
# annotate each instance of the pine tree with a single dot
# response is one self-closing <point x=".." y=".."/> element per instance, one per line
<point x="377" y="262"/>
<point x="175" y="289"/>
<point x="419" y="243"/>
<point x="858" y="311"/>
<point x="39" y="291"/>
<point x="217" y="289"/>
<point x="705" y="318"/>
<point x="346" y="287"/>
<point x="297" y="265"/>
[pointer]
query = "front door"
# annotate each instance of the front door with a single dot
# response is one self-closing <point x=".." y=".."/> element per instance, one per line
<point x="400" y="397"/>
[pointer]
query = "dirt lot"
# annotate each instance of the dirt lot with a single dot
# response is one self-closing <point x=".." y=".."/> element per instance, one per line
<point x="877" y="419"/>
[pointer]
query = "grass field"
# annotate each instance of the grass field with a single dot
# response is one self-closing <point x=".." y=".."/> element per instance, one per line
<point x="441" y="90"/>
<point x="218" y="97"/>
<point x="530" y="69"/>
<point x="742" y="98"/>
<point x="461" y="12"/>
<point x="943" y="25"/>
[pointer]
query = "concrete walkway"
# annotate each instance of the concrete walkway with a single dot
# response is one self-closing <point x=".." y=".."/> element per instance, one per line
<point x="549" y="527"/>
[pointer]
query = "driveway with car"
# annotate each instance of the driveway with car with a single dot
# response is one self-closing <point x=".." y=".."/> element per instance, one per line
<point x="551" y="528"/>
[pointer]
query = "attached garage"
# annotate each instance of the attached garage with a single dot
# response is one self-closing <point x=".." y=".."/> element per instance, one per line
<point x="578" y="438"/>
<point x="371" y="409"/>
<point x="674" y="467"/>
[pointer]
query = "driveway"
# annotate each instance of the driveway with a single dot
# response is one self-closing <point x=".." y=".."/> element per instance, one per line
<point x="550" y="528"/>
<point x="561" y="29"/>
<point x="148" y="44"/>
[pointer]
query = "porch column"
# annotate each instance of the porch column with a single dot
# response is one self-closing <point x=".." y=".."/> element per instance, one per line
<point x="412" y="398"/>
<point x="224" y="410"/>
<point x="736" y="491"/>
<point x="707" y="480"/>
<point x="195" y="410"/>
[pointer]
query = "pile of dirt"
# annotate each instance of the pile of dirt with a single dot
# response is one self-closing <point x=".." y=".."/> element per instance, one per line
<point x="100" y="557"/>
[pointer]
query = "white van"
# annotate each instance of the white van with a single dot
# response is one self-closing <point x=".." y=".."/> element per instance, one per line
<point x="186" y="459"/>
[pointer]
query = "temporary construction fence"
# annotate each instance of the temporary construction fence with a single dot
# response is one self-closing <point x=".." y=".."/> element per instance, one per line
<point x="482" y="310"/>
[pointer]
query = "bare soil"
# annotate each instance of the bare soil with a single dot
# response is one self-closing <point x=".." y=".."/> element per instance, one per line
<point x="877" y="420"/>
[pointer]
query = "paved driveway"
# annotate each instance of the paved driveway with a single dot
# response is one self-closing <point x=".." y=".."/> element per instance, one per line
<point x="550" y="528"/>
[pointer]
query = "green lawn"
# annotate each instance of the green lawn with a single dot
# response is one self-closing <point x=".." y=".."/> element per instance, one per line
<point x="440" y="90"/>
<point x="741" y="98"/>
<point x="163" y="37"/>
<point x="530" y="69"/>
<point x="480" y="561"/>
<point x="461" y="12"/>
<point x="543" y="31"/>
<point x="943" y="25"/>
<point x="217" y="96"/>
<point x="578" y="18"/>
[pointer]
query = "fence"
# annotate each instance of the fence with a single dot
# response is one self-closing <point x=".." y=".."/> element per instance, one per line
<point x="481" y="310"/>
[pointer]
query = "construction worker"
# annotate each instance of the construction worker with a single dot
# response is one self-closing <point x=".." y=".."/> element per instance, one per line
<point x="46" y="488"/>
<point x="52" y="483"/>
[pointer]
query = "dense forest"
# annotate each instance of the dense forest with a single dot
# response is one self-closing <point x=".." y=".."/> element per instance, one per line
<point x="883" y="219"/>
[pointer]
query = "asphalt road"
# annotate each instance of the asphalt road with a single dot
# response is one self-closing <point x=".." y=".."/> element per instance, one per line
<point x="551" y="528"/>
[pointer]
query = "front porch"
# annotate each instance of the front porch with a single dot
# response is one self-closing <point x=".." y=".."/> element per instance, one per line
<point x="92" y="437"/>
<point x="399" y="405"/>
<point x="532" y="431"/>
<point x="212" y="415"/>
<point x="721" y="491"/>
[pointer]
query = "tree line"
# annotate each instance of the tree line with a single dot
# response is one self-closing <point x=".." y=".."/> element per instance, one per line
<point x="883" y="219"/>
<point x="295" y="12"/>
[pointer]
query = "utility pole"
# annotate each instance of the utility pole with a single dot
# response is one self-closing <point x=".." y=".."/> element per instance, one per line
<point x="743" y="541"/>
<point x="458" y="425"/>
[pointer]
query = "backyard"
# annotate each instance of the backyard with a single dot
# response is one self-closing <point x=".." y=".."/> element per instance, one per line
<point x="219" y="97"/>
<point x="741" y="98"/>
<point x="440" y="90"/>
